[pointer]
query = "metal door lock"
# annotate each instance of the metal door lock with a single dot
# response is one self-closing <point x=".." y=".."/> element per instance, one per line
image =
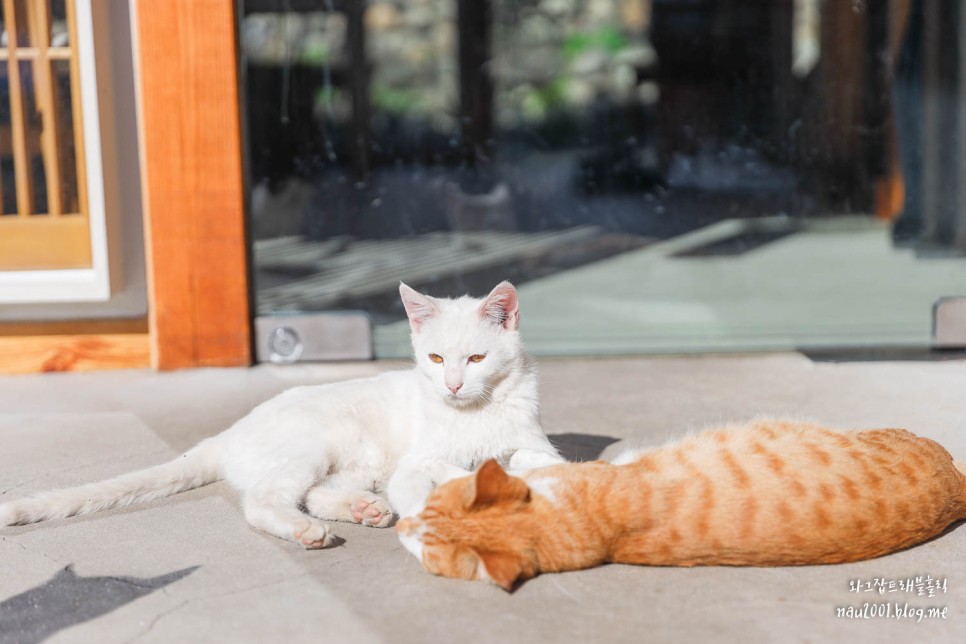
<point x="307" y="337"/>
<point x="284" y="345"/>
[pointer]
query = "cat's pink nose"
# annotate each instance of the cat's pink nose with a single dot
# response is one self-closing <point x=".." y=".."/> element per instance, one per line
<point x="456" y="388"/>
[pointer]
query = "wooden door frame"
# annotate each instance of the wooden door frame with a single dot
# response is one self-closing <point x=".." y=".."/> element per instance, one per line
<point x="192" y="182"/>
<point x="189" y="134"/>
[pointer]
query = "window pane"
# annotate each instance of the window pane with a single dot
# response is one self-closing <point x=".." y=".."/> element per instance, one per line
<point x="67" y="155"/>
<point x="22" y="11"/>
<point x="7" y="180"/>
<point x="59" y="34"/>
<point x="33" y="126"/>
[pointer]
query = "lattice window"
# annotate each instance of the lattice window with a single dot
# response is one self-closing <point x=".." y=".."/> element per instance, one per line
<point x="43" y="200"/>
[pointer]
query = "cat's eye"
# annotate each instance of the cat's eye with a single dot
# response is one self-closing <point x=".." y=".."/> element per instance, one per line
<point x="477" y="358"/>
<point x="438" y="359"/>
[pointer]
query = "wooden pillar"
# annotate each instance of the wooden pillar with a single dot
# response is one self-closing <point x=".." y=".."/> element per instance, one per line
<point x="944" y="124"/>
<point x="474" y="25"/>
<point x="359" y="88"/>
<point x="191" y="164"/>
<point x="877" y="133"/>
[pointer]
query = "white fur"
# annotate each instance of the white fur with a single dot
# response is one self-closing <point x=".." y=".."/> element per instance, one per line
<point x="398" y="433"/>
<point x="631" y="455"/>
<point x="482" y="574"/>
<point x="544" y="486"/>
<point x="413" y="543"/>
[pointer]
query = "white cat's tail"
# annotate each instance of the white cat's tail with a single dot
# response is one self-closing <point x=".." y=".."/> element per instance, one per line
<point x="196" y="467"/>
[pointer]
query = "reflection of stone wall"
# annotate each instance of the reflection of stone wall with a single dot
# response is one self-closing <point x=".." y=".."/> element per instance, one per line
<point x="316" y="39"/>
<point x="412" y="45"/>
<point x="559" y="55"/>
<point x="550" y="56"/>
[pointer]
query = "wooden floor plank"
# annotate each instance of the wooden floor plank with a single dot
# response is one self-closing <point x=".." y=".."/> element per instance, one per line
<point x="33" y="354"/>
<point x="109" y="326"/>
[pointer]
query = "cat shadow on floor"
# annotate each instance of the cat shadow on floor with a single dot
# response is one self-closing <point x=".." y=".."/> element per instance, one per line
<point x="67" y="599"/>
<point x="581" y="447"/>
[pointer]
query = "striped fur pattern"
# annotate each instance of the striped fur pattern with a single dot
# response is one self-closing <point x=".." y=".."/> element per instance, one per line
<point x="767" y="493"/>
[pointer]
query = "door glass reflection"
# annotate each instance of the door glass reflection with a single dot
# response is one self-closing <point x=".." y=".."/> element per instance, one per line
<point x="655" y="175"/>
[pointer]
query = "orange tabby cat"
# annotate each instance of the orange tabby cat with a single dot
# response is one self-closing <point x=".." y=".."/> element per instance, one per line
<point x="769" y="493"/>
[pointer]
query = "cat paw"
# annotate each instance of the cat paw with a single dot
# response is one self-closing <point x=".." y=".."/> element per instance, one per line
<point x="371" y="511"/>
<point x="314" y="536"/>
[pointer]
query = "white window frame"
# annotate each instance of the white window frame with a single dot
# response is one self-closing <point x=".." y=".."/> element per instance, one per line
<point x="85" y="284"/>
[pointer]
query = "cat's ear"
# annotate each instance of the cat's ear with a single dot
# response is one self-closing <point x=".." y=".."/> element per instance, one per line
<point x="419" y="307"/>
<point x="502" y="306"/>
<point x="493" y="485"/>
<point x="503" y="569"/>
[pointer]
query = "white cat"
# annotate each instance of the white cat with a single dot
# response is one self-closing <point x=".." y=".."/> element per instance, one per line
<point x="472" y="395"/>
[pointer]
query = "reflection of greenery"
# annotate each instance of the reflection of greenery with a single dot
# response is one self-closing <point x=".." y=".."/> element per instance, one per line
<point x="325" y="96"/>
<point x="607" y="38"/>
<point x="316" y="54"/>
<point x="547" y="98"/>
<point x="393" y="99"/>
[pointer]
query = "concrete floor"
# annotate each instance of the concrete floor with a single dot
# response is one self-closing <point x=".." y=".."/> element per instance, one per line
<point x="190" y="569"/>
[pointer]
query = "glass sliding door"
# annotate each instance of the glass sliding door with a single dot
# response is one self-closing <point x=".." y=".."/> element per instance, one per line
<point x="654" y="175"/>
